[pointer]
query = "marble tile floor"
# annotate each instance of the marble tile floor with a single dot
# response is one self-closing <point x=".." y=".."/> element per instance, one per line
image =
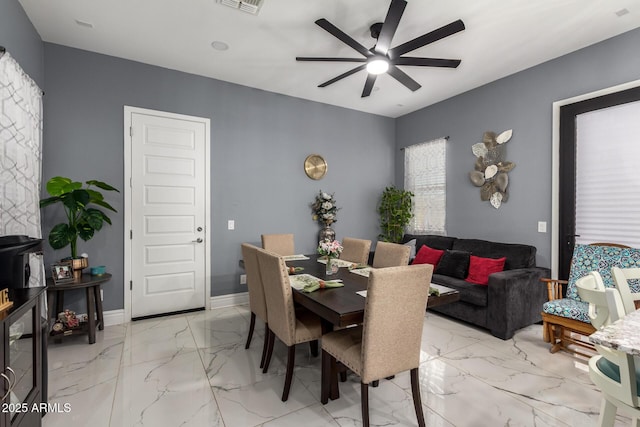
<point x="193" y="370"/>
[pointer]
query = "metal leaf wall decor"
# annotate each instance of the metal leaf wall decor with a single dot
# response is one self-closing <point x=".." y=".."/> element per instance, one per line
<point x="491" y="170"/>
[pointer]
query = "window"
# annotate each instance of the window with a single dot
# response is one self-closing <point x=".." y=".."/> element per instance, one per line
<point x="425" y="177"/>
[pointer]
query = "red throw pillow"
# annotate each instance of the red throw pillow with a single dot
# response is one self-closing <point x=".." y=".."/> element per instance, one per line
<point x="427" y="255"/>
<point x="480" y="269"/>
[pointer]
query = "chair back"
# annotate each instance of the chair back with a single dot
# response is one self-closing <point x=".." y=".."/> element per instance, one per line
<point x="281" y="244"/>
<point x="355" y="250"/>
<point x="621" y="276"/>
<point x="390" y="255"/>
<point x="393" y="319"/>
<point x="257" y="302"/>
<point x="605" y="304"/>
<point x="278" y="296"/>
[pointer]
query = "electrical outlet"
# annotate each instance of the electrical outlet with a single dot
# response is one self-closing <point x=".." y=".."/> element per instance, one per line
<point x="542" y="226"/>
<point x="231" y="225"/>
<point x="243" y="279"/>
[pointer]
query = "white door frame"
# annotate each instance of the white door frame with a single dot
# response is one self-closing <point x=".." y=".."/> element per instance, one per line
<point x="555" y="163"/>
<point x="128" y="111"/>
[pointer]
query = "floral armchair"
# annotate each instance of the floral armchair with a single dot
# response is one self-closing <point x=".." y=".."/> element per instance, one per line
<point x="565" y="319"/>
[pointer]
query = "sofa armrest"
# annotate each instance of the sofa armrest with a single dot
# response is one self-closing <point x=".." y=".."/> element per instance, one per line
<point x="515" y="300"/>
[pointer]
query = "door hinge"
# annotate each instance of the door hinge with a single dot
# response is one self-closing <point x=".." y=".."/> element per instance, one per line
<point x="131" y="234"/>
<point x="130" y="130"/>
<point x="130" y="285"/>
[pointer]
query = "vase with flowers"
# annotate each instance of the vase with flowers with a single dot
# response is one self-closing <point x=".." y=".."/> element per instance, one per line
<point x="332" y="250"/>
<point x="324" y="212"/>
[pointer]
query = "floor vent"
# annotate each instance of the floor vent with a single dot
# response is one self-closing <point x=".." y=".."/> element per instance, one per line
<point x="249" y="6"/>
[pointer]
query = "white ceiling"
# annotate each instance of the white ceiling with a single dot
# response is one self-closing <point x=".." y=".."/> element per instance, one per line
<point x="501" y="37"/>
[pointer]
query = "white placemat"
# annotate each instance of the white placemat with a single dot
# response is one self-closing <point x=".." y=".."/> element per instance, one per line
<point x="362" y="293"/>
<point x="300" y="280"/>
<point x="362" y="271"/>
<point x="298" y="257"/>
<point x="336" y="261"/>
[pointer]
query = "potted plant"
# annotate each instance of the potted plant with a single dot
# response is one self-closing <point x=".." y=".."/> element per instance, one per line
<point x="81" y="207"/>
<point x="396" y="210"/>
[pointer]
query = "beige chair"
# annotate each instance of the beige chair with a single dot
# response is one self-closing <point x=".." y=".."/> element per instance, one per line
<point x="621" y="276"/>
<point x="257" y="303"/>
<point x="281" y="244"/>
<point x="291" y="326"/>
<point x="390" y="255"/>
<point x="355" y="250"/>
<point x="612" y="371"/>
<point x="389" y="340"/>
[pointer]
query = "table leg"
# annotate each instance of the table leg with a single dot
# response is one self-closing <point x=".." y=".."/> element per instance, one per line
<point x="91" y="314"/>
<point x="99" y="312"/>
<point x="59" y="303"/>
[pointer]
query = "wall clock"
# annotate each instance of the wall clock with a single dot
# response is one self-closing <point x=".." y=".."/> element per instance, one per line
<point x="315" y="166"/>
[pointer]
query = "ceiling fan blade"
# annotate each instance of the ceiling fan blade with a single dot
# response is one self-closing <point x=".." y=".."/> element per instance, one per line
<point x="403" y="78"/>
<point x="425" y="39"/>
<point x="343" y="75"/>
<point x="368" y="85"/>
<point x="316" y="58"/>
<point x="427" y="62"/>
<point x="390" y="25"/>
<point x="343" y="37"/>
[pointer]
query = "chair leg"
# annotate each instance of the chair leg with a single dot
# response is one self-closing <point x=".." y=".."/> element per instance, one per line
<point x="325" y="385"/>
<point x="364" y="397"/>
<point x="272" y="338"/>
<point x="607" y="414"/>
<point x="313" y="345"/>
<point x="291" y="360"/>
<point x="252" y="325"/>
<point x="265" y="345"/>
<point x="343" y="372"/>
<point x="417" y="400"/>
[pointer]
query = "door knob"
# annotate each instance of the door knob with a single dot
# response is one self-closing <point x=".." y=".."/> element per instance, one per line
<point x="199" y="228"/>
<point x="198" y="240"/>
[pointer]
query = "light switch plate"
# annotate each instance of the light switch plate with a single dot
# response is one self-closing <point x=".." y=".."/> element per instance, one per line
<point x="231" y="225"/>
<point x="542" y="226"/>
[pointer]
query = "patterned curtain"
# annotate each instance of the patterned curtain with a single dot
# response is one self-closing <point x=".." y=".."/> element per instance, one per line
<point x="20" y="157"/>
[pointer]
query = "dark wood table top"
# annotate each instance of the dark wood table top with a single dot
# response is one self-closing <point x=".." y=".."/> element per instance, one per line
<point x="85" y="281"/>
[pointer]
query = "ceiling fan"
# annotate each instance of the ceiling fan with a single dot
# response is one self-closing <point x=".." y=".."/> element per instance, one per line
<point x="382" y="58"/>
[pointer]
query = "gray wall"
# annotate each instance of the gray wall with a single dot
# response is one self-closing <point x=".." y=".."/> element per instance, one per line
<point x="21" y="40"/>
<point x="259" y="141"/>
<point x="522" y="102"/>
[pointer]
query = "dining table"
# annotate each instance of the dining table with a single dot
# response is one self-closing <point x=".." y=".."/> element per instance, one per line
<point x="622" y="335"/>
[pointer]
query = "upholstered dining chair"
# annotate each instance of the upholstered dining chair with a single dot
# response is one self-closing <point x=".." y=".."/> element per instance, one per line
<point x="388" y="342"/>
<point x="355" y="250"/>
<point x="291" y="326"/>
<point x="257" y="303"/>
<point x="281" y="244"/>
<point x="612" y="371"/>
<point x="630" y="297"/>
<point x="390" y="255"/>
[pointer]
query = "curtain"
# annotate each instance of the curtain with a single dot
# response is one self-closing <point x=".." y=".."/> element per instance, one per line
<point x="20" y="157"/>
<point x="425" y="177"/>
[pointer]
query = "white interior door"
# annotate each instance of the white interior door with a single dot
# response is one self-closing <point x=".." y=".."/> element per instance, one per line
<point x="167" y="213"/>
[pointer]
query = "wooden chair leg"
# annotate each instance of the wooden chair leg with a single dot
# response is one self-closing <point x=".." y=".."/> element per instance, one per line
<point x="265" y="345"/>
<point x="252" y="325"/>
<point x="343" y="372"/>
<point x="291" y="360"/>
<point x="272" y="338"/>
<point x="313" y="345"/>
<point x="325" y="385"/>
<point x="417" y="399"/>
<point x="364" y="397"/>
<point x="545" y="332"/>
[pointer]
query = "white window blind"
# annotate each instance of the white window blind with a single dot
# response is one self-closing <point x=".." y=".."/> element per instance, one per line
<point x="425" y="177"/>
<point x="607" y="177"/>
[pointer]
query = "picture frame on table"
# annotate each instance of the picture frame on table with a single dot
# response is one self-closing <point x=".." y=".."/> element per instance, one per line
<point x="62" y="272"/>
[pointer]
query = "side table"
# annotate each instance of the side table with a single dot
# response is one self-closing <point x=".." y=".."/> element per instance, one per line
<point x="94" y="302"/>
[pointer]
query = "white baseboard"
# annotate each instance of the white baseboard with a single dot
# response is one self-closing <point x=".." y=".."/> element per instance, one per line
<point x="230" y="300"/>
<point x="116" y="317"/>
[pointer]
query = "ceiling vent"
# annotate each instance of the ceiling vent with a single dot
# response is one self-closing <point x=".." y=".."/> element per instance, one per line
<point x="249" y="6"/>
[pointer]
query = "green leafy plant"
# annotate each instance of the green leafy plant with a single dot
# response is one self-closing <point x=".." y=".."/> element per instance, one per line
<point x="83" y="219"/>
<point x="396" y="210"/>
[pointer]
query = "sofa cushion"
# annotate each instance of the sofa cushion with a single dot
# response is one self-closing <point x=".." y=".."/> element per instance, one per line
<point x="427" y="255"/>
<point x="431" y="240"/>
<point x="569" y="308"/>
<point x="454" y="264"/>
<point x="412" y="244"/>
<point x="480" y="268"/>
<point x="469" y="293"/>
<point x="587" y="258"/>
<point x="518" y="256"/>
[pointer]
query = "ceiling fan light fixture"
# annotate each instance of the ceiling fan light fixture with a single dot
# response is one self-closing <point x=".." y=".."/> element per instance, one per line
<point x="378" y="66"/>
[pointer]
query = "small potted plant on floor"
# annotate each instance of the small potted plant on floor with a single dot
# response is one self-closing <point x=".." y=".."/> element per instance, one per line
<point x="80" y="204"/>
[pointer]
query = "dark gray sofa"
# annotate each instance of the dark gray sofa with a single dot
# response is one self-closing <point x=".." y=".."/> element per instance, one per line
<point x="513" y="298"/>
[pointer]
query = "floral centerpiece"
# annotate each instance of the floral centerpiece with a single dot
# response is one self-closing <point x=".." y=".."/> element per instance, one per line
<point x="324" y="209"/>
<point x="330" y="249"/>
